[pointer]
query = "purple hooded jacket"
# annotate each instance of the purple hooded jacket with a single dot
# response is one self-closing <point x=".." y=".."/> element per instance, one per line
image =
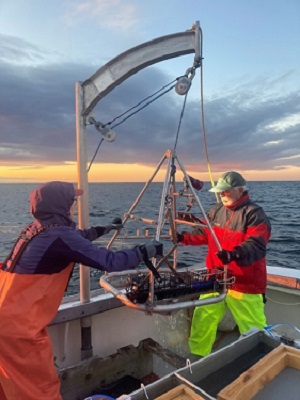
<point x="57" y="246"/>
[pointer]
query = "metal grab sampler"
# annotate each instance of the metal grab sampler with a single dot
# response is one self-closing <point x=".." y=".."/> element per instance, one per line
<point x="118" y="283"/>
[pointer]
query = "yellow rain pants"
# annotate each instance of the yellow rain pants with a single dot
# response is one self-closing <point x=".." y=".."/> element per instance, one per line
<point x="28" y="303"/>
<point x="247" y="311"/>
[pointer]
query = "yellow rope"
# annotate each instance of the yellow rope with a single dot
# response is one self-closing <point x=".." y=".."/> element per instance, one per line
<point x="203" y="131"/>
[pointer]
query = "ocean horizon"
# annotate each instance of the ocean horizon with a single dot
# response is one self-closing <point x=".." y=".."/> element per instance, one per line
<point x="279" y="199"/>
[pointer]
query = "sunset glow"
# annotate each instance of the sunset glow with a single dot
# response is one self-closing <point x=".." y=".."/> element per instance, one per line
<point x="126" y="173"/>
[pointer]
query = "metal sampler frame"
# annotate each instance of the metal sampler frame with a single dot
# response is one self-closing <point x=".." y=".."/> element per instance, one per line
<point x="167" y="214"/>
<point x="89" y="92"/>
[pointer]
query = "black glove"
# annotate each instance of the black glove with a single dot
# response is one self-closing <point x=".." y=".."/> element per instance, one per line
<point x="226" y="256"/>
<point x="153" y="249"/>
<point x="110" y="227"/>
<point x="117" y="221"/>
<point x="103" y="230"/>
<point x="179" y="237"/>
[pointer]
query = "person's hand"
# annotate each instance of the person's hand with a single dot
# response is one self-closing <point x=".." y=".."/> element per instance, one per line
<point x="153" y="249"/>
<point x="117" y="221"/>
<point x="226" y="256"/>
<point x="179" y="237"/>
<point x="110" y="227"/>
<point x="116" y="224"/>
<point x="147" y="251"/>
<point x="103" y="230"/>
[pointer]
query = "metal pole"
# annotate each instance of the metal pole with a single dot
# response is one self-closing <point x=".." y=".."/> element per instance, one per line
<point x="83" y="219"/>
<point x="83" y="205"/>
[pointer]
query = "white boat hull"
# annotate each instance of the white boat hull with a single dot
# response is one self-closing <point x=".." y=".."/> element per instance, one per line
<point x="117" y="326"/>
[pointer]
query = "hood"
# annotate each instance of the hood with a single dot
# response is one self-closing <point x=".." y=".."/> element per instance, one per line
<point x="51" y="202"/>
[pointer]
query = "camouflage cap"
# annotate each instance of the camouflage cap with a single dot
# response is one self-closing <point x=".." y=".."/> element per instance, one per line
<point x="227" y="181"/>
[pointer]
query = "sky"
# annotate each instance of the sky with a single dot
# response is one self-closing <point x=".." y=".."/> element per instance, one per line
<point x="251" y="82"/>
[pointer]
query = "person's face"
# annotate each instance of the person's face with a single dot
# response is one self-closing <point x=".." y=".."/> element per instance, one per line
<point x="72" y="209"/>
<point x="230" y="196"/>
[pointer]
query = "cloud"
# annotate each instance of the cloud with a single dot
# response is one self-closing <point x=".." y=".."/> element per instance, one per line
<point x="109" y="14"/>
<point x="16" y="51"/>
<point x="254" y="125"/>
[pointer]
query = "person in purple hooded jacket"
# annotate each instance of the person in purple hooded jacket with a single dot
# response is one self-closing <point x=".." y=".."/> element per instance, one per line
<point x="33" y="279"/>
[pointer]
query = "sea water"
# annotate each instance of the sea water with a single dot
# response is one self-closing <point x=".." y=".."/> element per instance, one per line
<point x="280" y="200"/>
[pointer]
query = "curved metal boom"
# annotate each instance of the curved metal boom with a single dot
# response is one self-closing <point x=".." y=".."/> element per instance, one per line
<point x="106" y="78"/>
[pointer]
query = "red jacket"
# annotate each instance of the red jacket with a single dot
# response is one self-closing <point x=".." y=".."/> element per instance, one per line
<point x="244" y="227"/>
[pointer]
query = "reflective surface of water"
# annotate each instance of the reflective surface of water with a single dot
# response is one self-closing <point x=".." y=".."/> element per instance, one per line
<point x="280" y="201"/>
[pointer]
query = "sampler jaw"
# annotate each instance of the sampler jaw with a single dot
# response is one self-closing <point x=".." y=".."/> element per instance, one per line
<point x="174" y="292"/>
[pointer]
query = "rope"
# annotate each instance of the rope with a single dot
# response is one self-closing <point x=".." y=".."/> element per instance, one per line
<point x="180" y="119"/>
<point x="203" y="127"/>
<point x="281" y="303"/>
<point x="130" y="115"/>
<point x="147" y="104"/>
<point x="94" y="156"/>
<point x="149" y="97"/>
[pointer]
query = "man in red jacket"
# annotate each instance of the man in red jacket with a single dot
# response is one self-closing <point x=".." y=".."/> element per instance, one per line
<point x="243" y="230"/>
